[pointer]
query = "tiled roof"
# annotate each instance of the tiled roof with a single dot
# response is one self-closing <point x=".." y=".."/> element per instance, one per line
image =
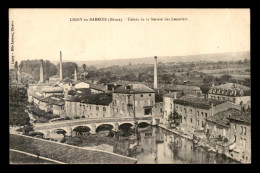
<point x="241" y="116"/>
<point x="222" y="117"/>
<point x="98" y="87"/>
<point x="134" y="88"/>
<point x="181" y="88"/>
<point x="97" y="99"/>
<point x="232" y="86"/>
<point x="197" y="102"/>
<point x="172" y="95"/>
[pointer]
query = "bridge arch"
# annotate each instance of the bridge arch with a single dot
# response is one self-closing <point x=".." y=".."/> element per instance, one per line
<point x="81" y="129"/>
<point x="143" y="124"/>
<point x="63" y="131"/>
<point x="104" y="126"/>
<point x="126" y="124"/>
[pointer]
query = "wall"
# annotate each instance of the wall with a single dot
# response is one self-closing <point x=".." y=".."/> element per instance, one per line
<point x="120" y="102"/>
<point x="88" y="110"/>
<point x="168" y="108"/>
<point x="243" y="140"/>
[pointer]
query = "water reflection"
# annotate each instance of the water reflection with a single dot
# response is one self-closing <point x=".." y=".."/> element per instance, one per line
<point x="157" y="145"/>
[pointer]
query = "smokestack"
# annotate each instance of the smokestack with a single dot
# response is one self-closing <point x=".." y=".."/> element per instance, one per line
<point x="212" y="109"/>
<point x="60" y="66"/>
<point x="41" y="72"/>
<point x="155" y="72"/>
<point x="75" y="75"/>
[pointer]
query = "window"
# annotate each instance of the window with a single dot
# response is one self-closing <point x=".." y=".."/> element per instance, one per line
<point x="97" y="108"/>
<point x="206" y="115"/>
<point x="104" y="108"/>
<point x="171" y="105"/>
<point x="198" y="122"/>
<point x="141" y="95"/>
<point x="190" y="110"/>
<point x="177" y="107"/>
<point x="190" y="120"/>
<point x="202" y="124"/>
<point x="198" y="114"/>
<point x="244" y="130"/>
<point x="201" y="114"/>
<point x="181" y="109"/>
<point x="185" y="110"/>
<point x="150" y="95"/>
<point x="235" y="138"/>
<point x="148" y="111"/>
<point x="235" y="127"/>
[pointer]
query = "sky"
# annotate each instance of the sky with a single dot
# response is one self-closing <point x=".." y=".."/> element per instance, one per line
<point x="43" y="33"/>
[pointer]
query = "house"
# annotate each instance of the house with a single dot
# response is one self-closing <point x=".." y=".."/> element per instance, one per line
<point x="240" y="135"/>
<point x="181" y="90"/>
<point x="193" y="111"/>
<point x="133" y="100"/>
<point x="235" y="93"/>
<point x="81" y="85"/>
<point x="89" y="106"/>
<point x="97" y="89"/>
<point x="168" y="106"/>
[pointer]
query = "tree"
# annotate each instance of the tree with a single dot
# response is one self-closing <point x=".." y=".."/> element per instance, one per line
<point x="68" y="69"/>
<point x="225" y="78"/>
<point x="174" y="119"/>
<point x="84" y="67"/>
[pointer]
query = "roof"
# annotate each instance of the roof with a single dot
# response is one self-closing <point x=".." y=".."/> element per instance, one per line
<point x="55" y="76"/>
<point x="98" y="87"/>
<point x="181" y="88"/>
<point x="122" y="82"/>
<point x="67" y="80"/>
<point x="134" y="88"/>
<point x="222" y="117"/>
<point x="241" y="116"/>
<point x="172" y="95"/>
<point x="53" y="90"/>
<point x="198" y="102"/>
<point x="97" y="99"/>
<point x="231" y="86"/>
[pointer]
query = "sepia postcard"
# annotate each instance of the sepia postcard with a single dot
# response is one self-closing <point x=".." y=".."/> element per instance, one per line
<point x="129" y="86"/>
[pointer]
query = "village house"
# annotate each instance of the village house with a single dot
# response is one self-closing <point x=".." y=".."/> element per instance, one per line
<point x="90" y="106"/>
<point x="235" y="93"/>
<point x="168" y="106"/>
<point x="133" y="100"/>
<point x="181" y="90"/>
<point x="193" y="111"/>
<point x="240" y="135"/>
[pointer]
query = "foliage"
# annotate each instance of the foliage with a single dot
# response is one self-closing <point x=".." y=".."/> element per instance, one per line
<point x="68" y="69"/>
<point x="33" y="67"/>
<point x="17" y="106"/>
<point x="174" y="118"/>
<point x="158" y="97"/>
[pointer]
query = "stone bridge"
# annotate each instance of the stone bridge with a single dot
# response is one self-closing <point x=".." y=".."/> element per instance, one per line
<point x="69" y="125"/>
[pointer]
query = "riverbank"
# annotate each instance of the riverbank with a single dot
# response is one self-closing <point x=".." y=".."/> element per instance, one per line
<point x="204" y="144"/>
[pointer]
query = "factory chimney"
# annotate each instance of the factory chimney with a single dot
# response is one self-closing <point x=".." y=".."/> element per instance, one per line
<point x="155" y="72"/>
<point x="60" y="66"/>
<point x="75" y="75"/>
<point x="41" y="72"/>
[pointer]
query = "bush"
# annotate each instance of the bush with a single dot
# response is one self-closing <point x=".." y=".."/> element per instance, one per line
<point x="67" y="118"/>
<point x="225" y="140"/>
<point x="76" y="117"/>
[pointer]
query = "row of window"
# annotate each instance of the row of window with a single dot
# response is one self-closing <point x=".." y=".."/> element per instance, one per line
<point x="137" y="103"/>
<point x="198" y="122"/>
<point x="242" y="128"/>
<point x="198" y="113"/>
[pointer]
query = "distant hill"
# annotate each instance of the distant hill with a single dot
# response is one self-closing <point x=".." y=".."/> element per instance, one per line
<point x="236" y="56"/>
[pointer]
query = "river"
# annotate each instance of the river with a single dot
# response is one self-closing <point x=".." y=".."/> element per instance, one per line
<point x="158" y="145"/>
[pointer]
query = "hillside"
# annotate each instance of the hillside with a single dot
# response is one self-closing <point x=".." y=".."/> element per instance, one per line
<point x="166" y="59"/>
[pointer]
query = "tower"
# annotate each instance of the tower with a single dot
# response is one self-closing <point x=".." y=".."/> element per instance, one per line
<point x="41" y="72"/>
<point x="60" y="66"/>
<point x="155" y="73"/>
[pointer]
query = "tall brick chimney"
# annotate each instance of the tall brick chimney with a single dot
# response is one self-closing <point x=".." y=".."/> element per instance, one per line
<point x="155" y="73"/>
<point x="41" y="72"/>
<point x="66" y="94"/>
<point x="75" y="75"/>
<point x="60" y="66"/>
